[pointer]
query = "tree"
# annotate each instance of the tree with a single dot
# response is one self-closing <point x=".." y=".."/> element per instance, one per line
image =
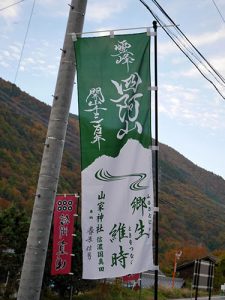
<point x="189" y="253"/>
<point x="62" y="284"/>
<point x="14" y="226"/>
<point x="219" y="276"/>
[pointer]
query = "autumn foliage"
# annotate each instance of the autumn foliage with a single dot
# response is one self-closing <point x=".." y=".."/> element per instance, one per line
<point x="191" y="200"/>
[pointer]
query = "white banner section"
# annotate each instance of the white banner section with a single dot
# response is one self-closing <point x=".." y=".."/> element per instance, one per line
<point x="117" y="213"/>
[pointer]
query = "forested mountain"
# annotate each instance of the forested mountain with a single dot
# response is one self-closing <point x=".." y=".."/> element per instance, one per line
<point x="192" y="200"/>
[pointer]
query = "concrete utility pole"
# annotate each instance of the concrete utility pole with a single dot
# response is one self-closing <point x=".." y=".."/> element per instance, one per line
<point x="38" y="238"/>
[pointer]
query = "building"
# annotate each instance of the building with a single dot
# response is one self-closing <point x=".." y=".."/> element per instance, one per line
<point x="186" y="270"/>
<point x="148" y="279"/>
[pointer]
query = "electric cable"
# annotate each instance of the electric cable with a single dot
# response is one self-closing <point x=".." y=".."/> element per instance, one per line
<point x="178" y="29"/>
<point x="203" y="63"/>
<point x="1" y="9"/>
<point x="192" y="54"/>
<point x="184" y="48"/>
<point x="24" y="42"/>
<point x="219" y="11"/>
<point x="191" y="60"/>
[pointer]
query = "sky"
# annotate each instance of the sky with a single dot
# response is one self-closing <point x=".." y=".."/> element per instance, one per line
<point x="191" y="112"/>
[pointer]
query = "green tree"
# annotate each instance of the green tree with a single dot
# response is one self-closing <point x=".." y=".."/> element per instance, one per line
<point x="219" y="276"/>
<point x="14" y="226"/>
<point x="62" y="284"/>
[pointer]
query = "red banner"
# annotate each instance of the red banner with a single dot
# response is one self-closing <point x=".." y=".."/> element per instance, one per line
<point x="131" y="277"/>
<point x="65" y="208"/>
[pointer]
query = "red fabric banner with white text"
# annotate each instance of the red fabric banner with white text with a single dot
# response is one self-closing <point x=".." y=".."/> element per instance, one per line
<point x="65" y="208"/>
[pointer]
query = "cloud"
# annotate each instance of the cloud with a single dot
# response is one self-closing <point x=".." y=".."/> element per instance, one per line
<point x="4" y="64"/>
<point x="198" y="40"/>
<point x="208" y="37"/>
<point x="194" y="73"/>
<point x="218" y="64"/>
<point x="11" y="13"/>
<point x="35" y="58"/>
<point x="99" y="11"/>
<point x="10" y="54"/>
<point x="15" y="48"/>
<point x="54" y="8"/>
<point x="192" y="107"/>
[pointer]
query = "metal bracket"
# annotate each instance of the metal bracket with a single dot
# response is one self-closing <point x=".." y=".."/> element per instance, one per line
<point x="74" y="37"/>
<point x="111" y="34"/>
<point x="156" y="209"/>
<point x="155" y="268"/>
<point x="153" y="88"/>
<point x="55" y="97"/>
<point x="155" y="148"/>
<point x="75" y="11"/>
<point x="67" y="62"/>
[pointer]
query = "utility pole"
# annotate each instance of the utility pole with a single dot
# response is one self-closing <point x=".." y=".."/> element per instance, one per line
<point x="38" y="238"/>
<point x="176" y="258"/>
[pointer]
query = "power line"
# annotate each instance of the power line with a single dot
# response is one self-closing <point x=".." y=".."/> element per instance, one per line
<point x="24" y="41"/>
<point x="188" y="49"/>
<point x="1" y="9"/>
<point x="188" y="40"/>
<point x="219" y="11"/>
<point x="208" y="66"/>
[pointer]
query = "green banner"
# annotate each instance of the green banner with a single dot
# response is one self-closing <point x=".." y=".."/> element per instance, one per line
<point x="116" y="178"/>
<point x="113" y="92"/>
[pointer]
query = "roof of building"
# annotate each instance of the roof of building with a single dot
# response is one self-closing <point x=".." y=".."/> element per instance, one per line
<point x="160" y="273"/>
<point x="190" y="263"/>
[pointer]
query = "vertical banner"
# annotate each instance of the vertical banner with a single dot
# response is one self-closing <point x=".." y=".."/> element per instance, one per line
<point x="63" y="222"/>
<point x="117" y="187"/>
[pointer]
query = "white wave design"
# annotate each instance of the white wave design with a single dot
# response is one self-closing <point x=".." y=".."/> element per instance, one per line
<point x="104" y="175"/>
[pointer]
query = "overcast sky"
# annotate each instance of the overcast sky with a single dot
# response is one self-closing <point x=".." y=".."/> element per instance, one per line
<point x="191" y="112"/>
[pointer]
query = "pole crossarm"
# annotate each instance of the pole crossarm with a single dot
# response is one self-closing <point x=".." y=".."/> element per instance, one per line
<point x="38" y="238"/>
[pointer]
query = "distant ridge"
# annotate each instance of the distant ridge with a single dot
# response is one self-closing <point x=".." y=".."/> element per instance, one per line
<point x="192" y="200"/>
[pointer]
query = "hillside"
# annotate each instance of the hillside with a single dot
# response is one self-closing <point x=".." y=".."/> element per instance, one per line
<point x="192" y="200"/>
<point x="23" y="125"/>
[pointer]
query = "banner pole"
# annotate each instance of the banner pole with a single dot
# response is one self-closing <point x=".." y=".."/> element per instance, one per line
<point x="210" y="292"/>
<point x="196" y="293"/>
<point x="140" y="286"/>
<point x="156" y="164"/>
<point x="38" y="238"/>
<point x="210" y="286"/>
<point x="197" y="271"/>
